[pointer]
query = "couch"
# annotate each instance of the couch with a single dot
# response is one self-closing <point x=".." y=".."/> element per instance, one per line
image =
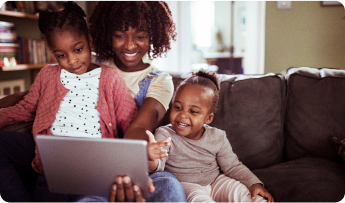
<point x="288" y="129"/>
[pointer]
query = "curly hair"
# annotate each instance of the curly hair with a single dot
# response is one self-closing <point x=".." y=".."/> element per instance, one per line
<point x="70" y="18"/>
<point x="152" y="16"/>
<point x="206" y="79"/>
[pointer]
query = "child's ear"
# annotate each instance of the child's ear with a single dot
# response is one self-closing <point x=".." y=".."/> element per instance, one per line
<point x="209" y="119"/>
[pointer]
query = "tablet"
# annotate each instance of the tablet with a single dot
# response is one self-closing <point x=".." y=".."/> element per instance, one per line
<point x="89" y="166"/>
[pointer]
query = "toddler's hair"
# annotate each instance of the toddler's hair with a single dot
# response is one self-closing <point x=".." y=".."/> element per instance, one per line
<point x="71" y="18"/>
<point x="206" y="79"/>
<point x="154" y="17"/>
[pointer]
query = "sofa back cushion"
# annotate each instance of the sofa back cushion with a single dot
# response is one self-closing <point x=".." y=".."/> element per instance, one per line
<point x="315" y="111"/>
<point x="250" y="110"/>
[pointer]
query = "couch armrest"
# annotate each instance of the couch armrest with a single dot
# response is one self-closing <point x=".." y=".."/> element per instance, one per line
<point x="12" y="99"/>
<point x="19" y="127"/>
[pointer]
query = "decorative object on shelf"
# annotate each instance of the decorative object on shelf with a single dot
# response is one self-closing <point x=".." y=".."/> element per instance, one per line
<point x="8" y="87"/>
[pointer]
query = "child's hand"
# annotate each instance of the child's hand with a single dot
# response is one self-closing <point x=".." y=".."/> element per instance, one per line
<point x="36" y="163"/>
<point x="257" y="189"/>
<point x="155" y="149"/>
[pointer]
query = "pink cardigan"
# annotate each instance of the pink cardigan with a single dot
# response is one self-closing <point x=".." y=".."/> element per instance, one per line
<point x="116" y="106"/>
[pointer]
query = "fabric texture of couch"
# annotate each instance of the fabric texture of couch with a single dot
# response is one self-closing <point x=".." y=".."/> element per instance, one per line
<point x="281" y="127"/>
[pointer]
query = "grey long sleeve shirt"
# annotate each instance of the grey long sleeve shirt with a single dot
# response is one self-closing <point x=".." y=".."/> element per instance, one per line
<point x="201" y="161"/>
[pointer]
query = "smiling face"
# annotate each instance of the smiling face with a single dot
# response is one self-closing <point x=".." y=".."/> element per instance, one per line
<point x="129" y="48"/>
<point x="72" y="51"/>
<point x="191" y="110"/>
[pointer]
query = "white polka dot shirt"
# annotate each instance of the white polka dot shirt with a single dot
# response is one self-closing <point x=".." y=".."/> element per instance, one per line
<point x="77" y="115"/>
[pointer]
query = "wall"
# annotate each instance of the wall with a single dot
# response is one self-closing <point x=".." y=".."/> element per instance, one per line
<point x="305" y="35"/>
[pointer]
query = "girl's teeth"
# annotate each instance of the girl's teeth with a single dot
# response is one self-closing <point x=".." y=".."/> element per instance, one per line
<point x="182" y="124"/>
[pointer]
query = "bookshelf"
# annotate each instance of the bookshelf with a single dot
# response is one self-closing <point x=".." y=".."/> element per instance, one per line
<point x="22" y="67"/>
<point x="21" y="14"/>
<point x="18" y="14"/>
<point x="26" y="26"/>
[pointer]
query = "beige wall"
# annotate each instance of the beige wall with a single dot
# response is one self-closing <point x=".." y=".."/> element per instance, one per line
<point x="305" y="35"/>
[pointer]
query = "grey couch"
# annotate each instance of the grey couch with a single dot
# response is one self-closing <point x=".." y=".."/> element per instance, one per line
<point x="281" y="128"/>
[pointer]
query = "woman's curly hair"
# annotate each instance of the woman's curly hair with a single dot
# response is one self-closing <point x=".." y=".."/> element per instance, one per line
<point x="151" y="16"/>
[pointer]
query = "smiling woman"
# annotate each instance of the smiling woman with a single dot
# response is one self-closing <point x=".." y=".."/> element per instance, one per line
<point x="130" y="46"/>
<point x="136" y="29"/>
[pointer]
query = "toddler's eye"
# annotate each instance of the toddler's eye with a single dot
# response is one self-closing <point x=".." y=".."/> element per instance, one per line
<point x="193" y="111"/>
<point x="119" y="36"/>
<point x="79" y="50"/>
<point x="60" y="56"/>
<point x="177" y="107"/>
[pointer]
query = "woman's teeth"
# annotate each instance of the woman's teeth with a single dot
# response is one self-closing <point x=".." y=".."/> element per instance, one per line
<point x="130" y="55"/>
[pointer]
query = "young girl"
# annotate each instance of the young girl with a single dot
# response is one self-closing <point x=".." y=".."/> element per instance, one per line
<point x="198" y="153"/>
<point x="74" y="97"/>
<point x="122" y="33"/>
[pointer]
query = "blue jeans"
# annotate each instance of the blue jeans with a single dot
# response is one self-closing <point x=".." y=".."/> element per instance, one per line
<point x="167" y="189"/>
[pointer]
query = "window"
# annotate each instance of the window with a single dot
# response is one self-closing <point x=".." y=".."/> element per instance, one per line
<point x="202" y="23"/>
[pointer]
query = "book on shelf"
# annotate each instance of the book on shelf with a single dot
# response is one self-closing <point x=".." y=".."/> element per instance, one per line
<point x="9" y="46"/>
<point x="34" y="51"/>
<point x="32" y="7"/>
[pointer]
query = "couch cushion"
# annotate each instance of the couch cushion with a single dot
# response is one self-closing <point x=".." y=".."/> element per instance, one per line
<point x="315" y="111"/>
<point x="25" y="127"/>
<point x="304" y="180"/>
<point x="250" y="110"/>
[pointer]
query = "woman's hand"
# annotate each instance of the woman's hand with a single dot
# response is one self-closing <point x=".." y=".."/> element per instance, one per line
<point x="257" y="189"/>
<point x="124" y="191"/>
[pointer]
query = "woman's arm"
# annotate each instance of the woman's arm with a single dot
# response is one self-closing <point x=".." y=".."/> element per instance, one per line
<point x="12" y="99"/>
<point x="149" y="117"/>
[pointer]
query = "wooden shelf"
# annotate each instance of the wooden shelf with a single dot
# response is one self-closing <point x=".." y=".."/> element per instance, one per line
<point x="19" y="14"/>
<point x="23" y="67"/>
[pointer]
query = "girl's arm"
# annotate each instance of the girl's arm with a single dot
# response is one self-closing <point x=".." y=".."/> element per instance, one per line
<point x="232" y="167"/>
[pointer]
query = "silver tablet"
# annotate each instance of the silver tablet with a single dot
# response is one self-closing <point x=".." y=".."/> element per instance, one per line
<point x="89" y="166"/>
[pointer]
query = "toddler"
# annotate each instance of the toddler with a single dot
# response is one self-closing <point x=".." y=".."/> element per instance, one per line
<point x="200" y="156"/>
